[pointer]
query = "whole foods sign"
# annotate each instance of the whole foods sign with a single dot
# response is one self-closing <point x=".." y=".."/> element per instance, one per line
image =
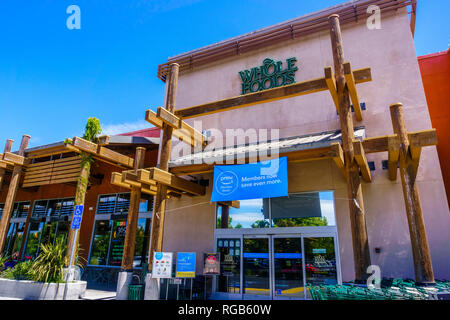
<point x="271" y="74"/>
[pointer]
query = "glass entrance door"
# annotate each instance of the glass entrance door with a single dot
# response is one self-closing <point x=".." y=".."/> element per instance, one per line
<point x="256" y="267"/>
<point x="320" y="260"/>
<point x="288" y="272"/>
<point x="276" y="266"/>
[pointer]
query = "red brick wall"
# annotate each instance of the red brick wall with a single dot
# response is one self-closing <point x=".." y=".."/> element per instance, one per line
<point x="435" y="70"/>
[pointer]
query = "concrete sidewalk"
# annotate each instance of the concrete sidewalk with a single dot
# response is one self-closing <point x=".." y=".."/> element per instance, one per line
<point x="99" y="295"/>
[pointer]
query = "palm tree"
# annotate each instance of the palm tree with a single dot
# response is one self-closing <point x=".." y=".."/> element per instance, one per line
<point x="91" y="132"/>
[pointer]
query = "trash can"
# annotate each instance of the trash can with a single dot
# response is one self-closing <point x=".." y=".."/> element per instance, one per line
<point x="136" y="292"/>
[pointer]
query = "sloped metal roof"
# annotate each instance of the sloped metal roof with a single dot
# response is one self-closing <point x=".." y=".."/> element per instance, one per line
<point x="285" y="145"/>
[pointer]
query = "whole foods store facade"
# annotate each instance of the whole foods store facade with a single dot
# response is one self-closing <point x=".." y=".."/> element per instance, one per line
<point x="345" y="205"/>
<point x="272" y="247"/>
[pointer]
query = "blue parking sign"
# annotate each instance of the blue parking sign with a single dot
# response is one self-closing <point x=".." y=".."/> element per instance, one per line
<point x="77" y="215"/>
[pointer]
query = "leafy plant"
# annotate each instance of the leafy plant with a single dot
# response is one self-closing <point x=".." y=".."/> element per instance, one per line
<point x="48" y="266"/>
<point x="3" y="259"/>
<point x="21" y="271"/>
<point x="93" y="129"/>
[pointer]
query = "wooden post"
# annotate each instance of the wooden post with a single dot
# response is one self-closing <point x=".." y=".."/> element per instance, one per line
<point x="80" y="196"/>
<point x="25" y="230"/>
<point x="133" y="214"/>
<point x="11" y="196"/>
<point x="360" y="241"/>
<point x="224" y="216"/>
<point x="419" y="243"/>
<point x="8" y="146"/>
<point x="166" y="145"/>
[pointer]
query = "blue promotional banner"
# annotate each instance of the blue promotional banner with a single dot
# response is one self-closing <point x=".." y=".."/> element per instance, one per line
<point x="267" y="179"/>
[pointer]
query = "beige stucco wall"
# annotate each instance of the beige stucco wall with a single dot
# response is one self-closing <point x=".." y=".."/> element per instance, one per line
<point x="391" y="55"/>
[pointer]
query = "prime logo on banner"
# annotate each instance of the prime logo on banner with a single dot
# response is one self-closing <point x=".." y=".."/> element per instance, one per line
<point x="270" y="75"/>
<point x="267" y="179"/>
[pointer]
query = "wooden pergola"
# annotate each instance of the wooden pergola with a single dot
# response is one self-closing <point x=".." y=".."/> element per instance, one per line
<point x="29" y="173"/>
<point x="404" y="149"/>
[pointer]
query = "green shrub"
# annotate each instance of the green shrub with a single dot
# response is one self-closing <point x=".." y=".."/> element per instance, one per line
<point x="3" y="259"/>
<point x="21" y="271"/>
<point x="48" y="266"/>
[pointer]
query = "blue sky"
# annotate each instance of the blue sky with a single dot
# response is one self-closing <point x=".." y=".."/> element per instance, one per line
<point x="52" y="78"/>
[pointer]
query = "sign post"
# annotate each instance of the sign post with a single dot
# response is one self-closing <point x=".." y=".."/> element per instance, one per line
<point x="186" y="266"/>
<point x="76" y="223"/>
<point x="211" y="265"/>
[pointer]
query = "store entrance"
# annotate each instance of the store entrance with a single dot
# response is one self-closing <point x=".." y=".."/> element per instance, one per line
<point x="276" y="266"/>
<point x="279" y="266"/>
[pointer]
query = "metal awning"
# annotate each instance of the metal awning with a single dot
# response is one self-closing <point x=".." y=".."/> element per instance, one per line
<point x="283" y="146"/>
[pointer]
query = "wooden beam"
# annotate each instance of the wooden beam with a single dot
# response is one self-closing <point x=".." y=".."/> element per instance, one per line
<point x="170" y="180"/>
<point x="14" y="159"/>
<point x="393" y="154"/>
<point x="103" y="153"/>
<point x="351" y="84"/>
<point x="11" y="195"/>
<point x="422" y="138"/>
<point x="116" y="179"/>
<point x="183" y="132"/>
<point x="3" y="165"/>
<point x="45" y="152"/>
<point x="361" y="160"/>
<point x="234" y="204"/>
<point x="168" y="118"/>
<point x="338" y="158"/>
<point x="361" y="252"/>
<point x="292" y="90"/>
<point x="165" y="147"/>
<point x="423" y="267"/>
<point x="133" y="215"/>
<point x="331" y="83"/>
<point x="6" y="165"/>
<point x="103" y="140"/>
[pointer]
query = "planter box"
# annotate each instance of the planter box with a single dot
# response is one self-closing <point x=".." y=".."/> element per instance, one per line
<point x="31" y="290"/>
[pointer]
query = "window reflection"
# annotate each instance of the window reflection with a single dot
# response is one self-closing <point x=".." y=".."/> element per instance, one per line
<point x="230" y="263"/>
<point x="295" y="210"/>
<point x="100" y="243"/>
<point x="109" y="235"/>
<point x="250" y="214"/>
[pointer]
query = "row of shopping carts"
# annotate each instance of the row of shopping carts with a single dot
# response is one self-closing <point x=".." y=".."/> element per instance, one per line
<point x="398" y="289"/>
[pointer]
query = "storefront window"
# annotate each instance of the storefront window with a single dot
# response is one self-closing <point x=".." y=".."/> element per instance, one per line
<point x="14" y="239"/>
<point x="100" y="243"/>
<point x="249" y="215"/>
<point x="229" y="279"/>
<point x="33" y="240"/>
<point x="20" y="209"/>
<point x="49" y="222"/>
<point x="39" y="208"/>
<point x="109" y="235"/>
<point x="106" y="204"/>
<point x="320" y="261"/>
<point x="142" y="242"/>
<point x="117" y="242"/>
<point x="302" y="210"/>
<point x="295" y="210"/>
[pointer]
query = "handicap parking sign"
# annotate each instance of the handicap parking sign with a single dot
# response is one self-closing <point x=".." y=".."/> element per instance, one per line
<point x="77" y="214"/>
